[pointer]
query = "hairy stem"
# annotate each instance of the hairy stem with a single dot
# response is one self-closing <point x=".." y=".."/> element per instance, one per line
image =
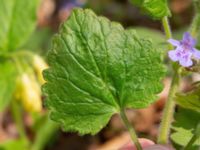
<point x="169" y="107"/>
<point x="170" y="104"/>
<point x="131" y="130"/>
<point x="167" y="30"/>
<point x="168" y="111"/>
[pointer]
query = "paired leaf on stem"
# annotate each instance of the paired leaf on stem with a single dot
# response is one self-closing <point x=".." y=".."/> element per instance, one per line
<point x="189" y="100"/>
<point x="185" y="124"/>
<point x="96" y="69"/>
<point x="157" y="9"/>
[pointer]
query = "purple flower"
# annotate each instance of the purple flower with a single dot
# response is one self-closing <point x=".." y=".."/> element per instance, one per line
<point x="185" y="50"/>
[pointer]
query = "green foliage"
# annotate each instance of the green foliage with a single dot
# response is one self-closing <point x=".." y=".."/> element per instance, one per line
<point x="157" y="9"/>
<point x="40" y="39"/>
<point x="17" y="22"/>
<point x="7" y="81"/>
<point x="190" y="100"/>
<point x="156" y="37"/>
<point x="19" y="144"/>
<point x="184" y="127"/>
<point x="96" y="69"/>
<point x="44" y="133"/>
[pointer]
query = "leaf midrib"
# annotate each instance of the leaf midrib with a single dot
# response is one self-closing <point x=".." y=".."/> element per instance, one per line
<point x="71" y="54"/>
<point x="94" y="61"/>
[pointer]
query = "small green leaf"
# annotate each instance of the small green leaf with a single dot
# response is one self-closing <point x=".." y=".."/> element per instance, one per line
<point x="158" y="39"/>
<point x="155" y="8"/>
<point x="96" y="69"/>
<point x="7" y="81"/>
<point x="184" y="127"/>
<point x="17" y="22"/>
<point x="190" y="100"/>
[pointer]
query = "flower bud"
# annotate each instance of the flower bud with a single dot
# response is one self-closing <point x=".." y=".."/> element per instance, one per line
<point x="39" y="65"/>
<point x="30" y="94"/>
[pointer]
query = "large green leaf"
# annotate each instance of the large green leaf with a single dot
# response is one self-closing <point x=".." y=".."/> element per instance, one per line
<point x="17" y="22"/>
<point x="190" y="100"/>
<point x="155" y="8"/>
<point x="96" y="69"/>
<point x="184" y="126"/>
<point x="7" y="81"/>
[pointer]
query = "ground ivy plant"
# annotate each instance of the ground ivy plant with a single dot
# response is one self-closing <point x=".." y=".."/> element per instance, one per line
<point x="95" y="71"/>
<point x="98" y="68"/>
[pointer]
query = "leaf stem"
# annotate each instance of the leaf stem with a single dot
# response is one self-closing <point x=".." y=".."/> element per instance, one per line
<point x="170" y="104"/>
<point x="17" y="116"/>
<point x="167" y="29"/>
<point x="191" y="142"/>
<point x="18" y="65"/>
<point x="130" y="129"/>
<point x="44" y="134"/>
